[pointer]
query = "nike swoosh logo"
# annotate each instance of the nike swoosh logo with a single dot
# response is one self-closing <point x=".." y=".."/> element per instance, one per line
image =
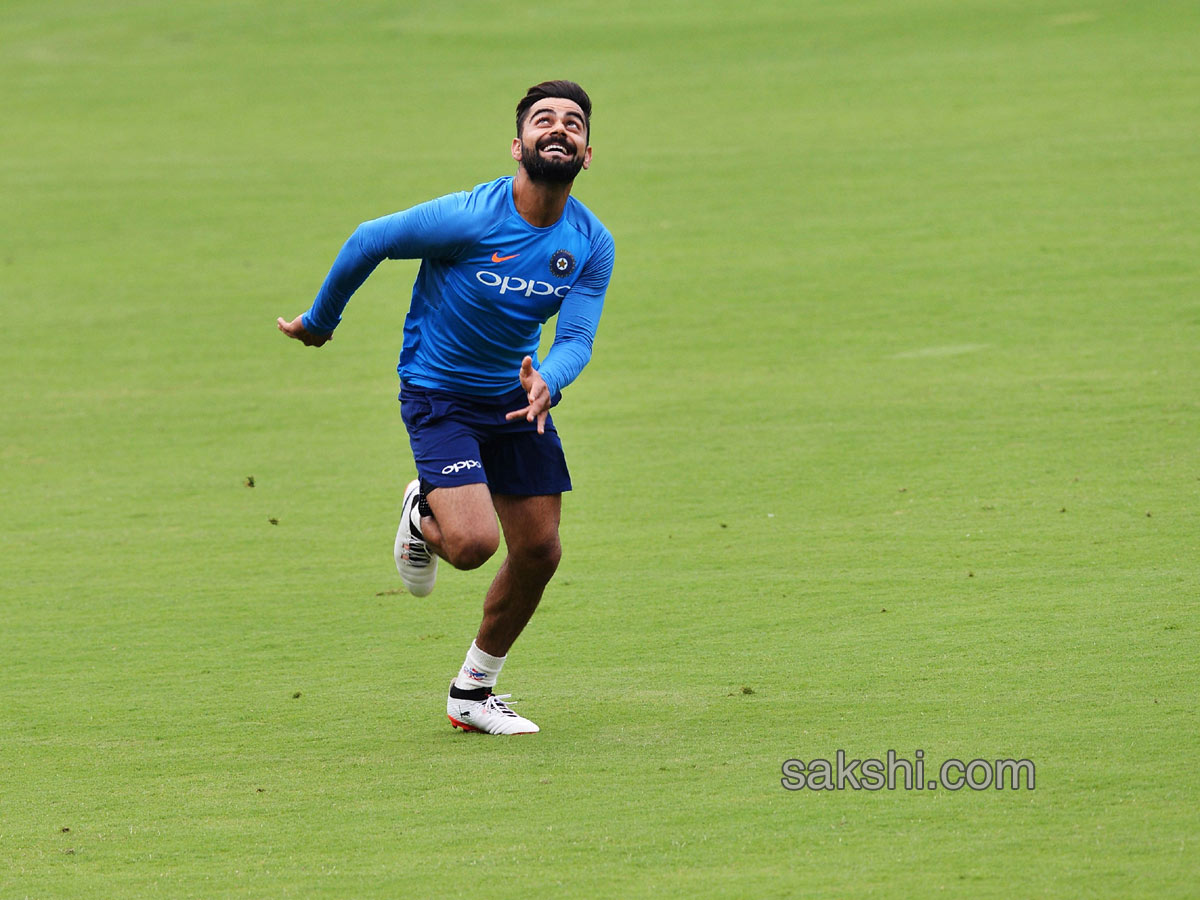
<point x="496" y="257"/>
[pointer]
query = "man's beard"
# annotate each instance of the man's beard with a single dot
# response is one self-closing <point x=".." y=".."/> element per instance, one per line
<point x="549" y="171"/>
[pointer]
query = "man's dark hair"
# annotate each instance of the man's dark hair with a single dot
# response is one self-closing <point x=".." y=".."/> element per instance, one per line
<point x="562" y="90"/>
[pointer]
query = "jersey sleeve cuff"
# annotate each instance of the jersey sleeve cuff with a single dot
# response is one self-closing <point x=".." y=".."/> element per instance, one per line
<point x="551" y="381"/>
<point x="312" y="328"/>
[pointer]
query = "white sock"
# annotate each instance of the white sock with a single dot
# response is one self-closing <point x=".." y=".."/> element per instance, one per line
<point x="479" y="670"/>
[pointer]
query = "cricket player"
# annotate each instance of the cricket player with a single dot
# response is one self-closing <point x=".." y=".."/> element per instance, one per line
<point x="496" y="263"/>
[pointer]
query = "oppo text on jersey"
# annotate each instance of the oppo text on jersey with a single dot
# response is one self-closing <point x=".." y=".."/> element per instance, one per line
<point x="508" y="283"/>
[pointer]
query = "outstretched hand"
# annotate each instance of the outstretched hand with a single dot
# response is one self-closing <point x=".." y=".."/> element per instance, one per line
<point x="538" y="395"/>
<point x="295" y="329"/>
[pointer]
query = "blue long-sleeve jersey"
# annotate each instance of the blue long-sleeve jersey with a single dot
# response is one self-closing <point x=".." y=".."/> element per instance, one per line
<point x="488" y="282"/>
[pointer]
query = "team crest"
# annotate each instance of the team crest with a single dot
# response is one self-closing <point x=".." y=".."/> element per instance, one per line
<point x="562" y="263"/>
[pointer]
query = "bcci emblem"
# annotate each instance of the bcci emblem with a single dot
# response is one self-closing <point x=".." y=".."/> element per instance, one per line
<point x="562" y="263"/>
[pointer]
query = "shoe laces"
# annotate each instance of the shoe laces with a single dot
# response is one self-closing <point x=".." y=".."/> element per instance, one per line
<point x="416" y="553"/>
<point x="495" y="703"/>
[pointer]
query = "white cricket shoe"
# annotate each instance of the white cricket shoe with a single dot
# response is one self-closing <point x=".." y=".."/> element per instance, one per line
<point x="491" y="715"/>
<point x="416" y="563"/>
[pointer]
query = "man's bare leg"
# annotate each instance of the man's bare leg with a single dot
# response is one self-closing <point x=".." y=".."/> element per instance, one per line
<point x="463" y="528"/>
<point x="462" y="531"/>
<point x="531" y="535"/>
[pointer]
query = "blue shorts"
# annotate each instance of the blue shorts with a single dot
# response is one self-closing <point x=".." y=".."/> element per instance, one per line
<point x="457" y="439"/>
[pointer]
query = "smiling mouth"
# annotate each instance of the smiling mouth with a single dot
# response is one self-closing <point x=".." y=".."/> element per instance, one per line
<point x="554" y="147"/>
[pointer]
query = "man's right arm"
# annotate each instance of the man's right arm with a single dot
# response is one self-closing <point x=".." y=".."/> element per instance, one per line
<point x="433" y="229"/>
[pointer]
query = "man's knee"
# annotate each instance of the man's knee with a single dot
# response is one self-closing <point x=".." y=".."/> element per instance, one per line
<point x="542" y="554"/>
<point x="469" y="551"/>
<point x="466" y="522"/>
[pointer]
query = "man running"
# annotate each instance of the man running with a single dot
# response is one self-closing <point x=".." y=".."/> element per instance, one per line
<point x="496" y="263"/>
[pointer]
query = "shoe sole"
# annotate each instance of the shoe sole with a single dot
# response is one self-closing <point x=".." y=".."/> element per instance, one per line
<point x="454" y="723"/>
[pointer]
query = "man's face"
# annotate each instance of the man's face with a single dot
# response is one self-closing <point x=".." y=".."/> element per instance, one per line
<point x="553" y="146"/>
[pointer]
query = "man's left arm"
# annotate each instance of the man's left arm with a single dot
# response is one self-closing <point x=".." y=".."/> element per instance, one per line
<point x="578" y="318"/>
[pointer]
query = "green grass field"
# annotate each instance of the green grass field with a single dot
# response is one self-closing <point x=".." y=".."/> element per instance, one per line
<point x="891" y="440"/>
